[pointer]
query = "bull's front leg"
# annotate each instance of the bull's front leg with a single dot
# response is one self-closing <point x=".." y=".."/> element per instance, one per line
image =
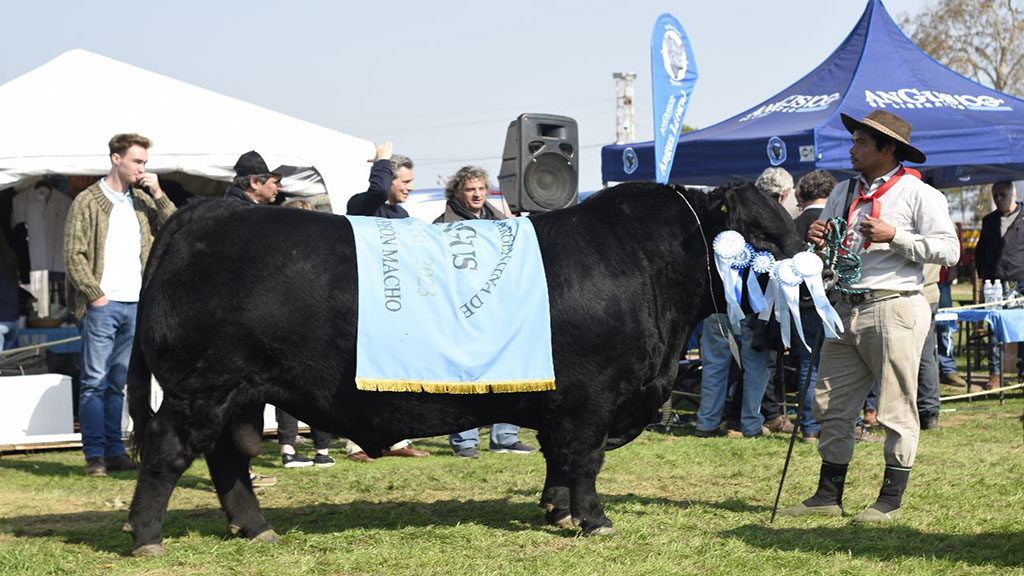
<point x="555" y="497"/>
<point x="166" y="454"/>
<point x="570" y="489"/>
<point x="584" y="502"/>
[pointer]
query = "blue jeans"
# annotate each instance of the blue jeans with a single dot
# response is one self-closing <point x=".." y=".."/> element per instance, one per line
<point x="716" y="360"/>
<point x="944" y="333"/>
<point x="811" y="324"/>
<point x="502" y="435"/>
<point x="8" y="332"/>
<point x="107" y="333"/>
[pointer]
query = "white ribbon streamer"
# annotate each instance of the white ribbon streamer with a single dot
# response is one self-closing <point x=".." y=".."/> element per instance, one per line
<point x="729" y="245"/>
<point x="809" y="265"/>
<point x="789" y="283"/>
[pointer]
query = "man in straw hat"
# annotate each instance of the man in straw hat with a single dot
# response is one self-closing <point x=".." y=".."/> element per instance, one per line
<point x="897" y="223"/>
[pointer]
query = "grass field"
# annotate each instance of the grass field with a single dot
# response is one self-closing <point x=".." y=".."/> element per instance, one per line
<point x="681" y="505"/>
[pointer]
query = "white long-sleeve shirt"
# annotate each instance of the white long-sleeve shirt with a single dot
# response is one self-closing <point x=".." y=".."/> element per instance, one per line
<point x="925" y="233"/>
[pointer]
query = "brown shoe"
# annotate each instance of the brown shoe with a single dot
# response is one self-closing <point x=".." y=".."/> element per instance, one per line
<point x="360" y="457"/>
<point x="870" y="418"/>
<point x="779" y="424"/>
<point x="120" y="463"/>
<point x="953" y="379"/>
<point x="95" y="467"/>
<point x="993" y="382"/>
<point x="408" y="452"/>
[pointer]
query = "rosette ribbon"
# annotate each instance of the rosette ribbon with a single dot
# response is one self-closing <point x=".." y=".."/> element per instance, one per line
<point x="809" y="266"/>
<point x="730" y="251"/>
<point x="760" y="263"/>
<point x="789" y="280"/>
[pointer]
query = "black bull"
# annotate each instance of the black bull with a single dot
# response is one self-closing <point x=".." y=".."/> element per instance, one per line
<point x="243" y="306"/>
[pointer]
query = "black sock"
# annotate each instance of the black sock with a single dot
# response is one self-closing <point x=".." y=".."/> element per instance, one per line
<point x="831" y="480"/>
<point x="894" y="483"/>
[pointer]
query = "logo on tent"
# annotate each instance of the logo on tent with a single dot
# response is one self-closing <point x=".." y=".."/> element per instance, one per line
<point x="776" y="151"/>
<point x="914" y="98"/>
<point x="795" y="103"/>
<point x="629" y="161"/>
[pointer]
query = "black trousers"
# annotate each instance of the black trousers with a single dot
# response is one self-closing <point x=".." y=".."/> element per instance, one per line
<point x="288" y="431"/>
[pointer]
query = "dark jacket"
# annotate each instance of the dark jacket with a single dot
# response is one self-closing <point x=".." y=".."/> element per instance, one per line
<point x="374" y="202"/>
<point x="998" y="256"/>
<point x="236" y="193"/>
<point x="455" y="212"/>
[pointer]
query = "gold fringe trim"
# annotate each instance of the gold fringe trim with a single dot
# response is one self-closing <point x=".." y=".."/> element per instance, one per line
<point x="384" y="385"/>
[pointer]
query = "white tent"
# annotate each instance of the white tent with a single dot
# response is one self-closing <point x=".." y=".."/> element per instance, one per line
<point x="59" y="117"/>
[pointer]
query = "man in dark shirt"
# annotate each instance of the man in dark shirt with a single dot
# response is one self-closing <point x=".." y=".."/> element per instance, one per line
<point x="1000" y="256"/>
<point x="254" y="182"/>
<point x="390" y="185"/>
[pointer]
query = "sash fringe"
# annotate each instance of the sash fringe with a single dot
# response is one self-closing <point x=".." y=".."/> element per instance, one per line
<point x="379" y="385"/>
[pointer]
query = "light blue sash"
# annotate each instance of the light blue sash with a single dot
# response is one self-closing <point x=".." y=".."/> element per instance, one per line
<point x="459" y="308"/>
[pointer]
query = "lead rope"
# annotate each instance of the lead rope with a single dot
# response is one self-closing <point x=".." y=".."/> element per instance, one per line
<point x="711" y="283"/>
<point x="843" y="263"/>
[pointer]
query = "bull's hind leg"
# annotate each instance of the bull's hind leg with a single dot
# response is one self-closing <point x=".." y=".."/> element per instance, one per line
<point x="229" y="469"/>
<point x="166" y="454"/>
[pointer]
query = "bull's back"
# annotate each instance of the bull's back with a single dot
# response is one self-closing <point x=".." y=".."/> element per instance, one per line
<point x="249" y="290"/>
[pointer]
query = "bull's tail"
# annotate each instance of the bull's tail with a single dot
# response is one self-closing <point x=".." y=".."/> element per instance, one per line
<point x="139" y="387"/>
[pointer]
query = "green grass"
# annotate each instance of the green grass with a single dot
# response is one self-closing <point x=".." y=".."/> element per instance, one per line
<point x="681" y="505"/>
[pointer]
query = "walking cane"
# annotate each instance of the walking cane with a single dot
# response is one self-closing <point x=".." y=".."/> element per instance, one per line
<point x="800" y="410"/>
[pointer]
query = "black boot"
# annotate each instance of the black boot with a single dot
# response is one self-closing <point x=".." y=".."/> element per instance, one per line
<point x="828" y="499"/>
<point x="887" y="507"/>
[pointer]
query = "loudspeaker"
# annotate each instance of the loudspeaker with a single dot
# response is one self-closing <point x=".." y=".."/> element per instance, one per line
<point x="540" y="164"/>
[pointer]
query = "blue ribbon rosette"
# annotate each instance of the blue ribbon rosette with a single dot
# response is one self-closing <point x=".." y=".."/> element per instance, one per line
<point x="810" y="266"/>
<point x="731" y="256"/>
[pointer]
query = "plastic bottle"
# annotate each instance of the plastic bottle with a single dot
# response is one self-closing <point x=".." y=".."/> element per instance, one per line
<point x="997" y="292"/>
<point x="986" y="292"/>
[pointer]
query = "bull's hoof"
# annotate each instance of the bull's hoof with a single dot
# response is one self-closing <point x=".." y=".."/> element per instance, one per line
<point x="148" y="550"/>
<point x="601" y="531"/>
<point x="267" y="536"/>
<point x="565" y="522"/>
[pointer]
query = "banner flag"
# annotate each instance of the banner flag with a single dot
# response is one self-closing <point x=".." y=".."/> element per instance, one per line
<point x="673" y="74"/>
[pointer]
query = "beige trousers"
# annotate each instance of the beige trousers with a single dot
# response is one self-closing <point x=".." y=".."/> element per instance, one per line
<point x="882" y="343"/>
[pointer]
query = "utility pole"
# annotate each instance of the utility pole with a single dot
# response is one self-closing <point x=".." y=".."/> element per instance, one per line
<point x="625" y="115"/>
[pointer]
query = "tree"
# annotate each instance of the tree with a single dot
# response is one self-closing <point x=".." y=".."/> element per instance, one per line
<point x="981" y="39"/>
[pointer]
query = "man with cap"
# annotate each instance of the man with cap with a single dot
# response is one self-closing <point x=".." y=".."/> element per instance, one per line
<point x="107" y="238"/>
<point x="897" y="223"/>
<point x="254" y="182"/>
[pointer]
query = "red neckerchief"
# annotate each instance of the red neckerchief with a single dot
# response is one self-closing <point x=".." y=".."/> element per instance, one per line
<point x="876" y="205"/>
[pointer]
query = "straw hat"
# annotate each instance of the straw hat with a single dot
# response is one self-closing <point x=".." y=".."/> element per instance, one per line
<point x="889" y="124"/>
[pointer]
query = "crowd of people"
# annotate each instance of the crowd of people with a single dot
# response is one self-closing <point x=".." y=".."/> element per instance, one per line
<point x="883" y="372"/>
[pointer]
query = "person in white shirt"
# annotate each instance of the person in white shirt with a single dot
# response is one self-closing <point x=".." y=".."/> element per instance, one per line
<point x="897" y="223"/>
<point x="108" y="235"/>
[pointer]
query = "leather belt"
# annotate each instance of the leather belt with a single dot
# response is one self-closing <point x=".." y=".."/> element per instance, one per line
<point x="875" y="296"/>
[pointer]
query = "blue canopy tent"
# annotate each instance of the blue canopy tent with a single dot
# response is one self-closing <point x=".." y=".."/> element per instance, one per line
<point x="971" y="134"/>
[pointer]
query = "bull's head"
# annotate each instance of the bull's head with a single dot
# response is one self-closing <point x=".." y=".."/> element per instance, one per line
<point x="763" y="221"/>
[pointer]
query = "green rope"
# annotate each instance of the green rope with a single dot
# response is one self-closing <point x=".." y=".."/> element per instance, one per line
<point x="844" y="263"/>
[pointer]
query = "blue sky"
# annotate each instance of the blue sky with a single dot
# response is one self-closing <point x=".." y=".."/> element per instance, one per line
<point x="443" y="79"/>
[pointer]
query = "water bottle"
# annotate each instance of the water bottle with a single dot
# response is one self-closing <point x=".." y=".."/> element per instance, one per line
<point x="986" y="292"/>
<point x="997" y="292"/>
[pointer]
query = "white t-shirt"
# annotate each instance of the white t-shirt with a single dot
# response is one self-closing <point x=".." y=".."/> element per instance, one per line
<point x="122" y="252"/>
